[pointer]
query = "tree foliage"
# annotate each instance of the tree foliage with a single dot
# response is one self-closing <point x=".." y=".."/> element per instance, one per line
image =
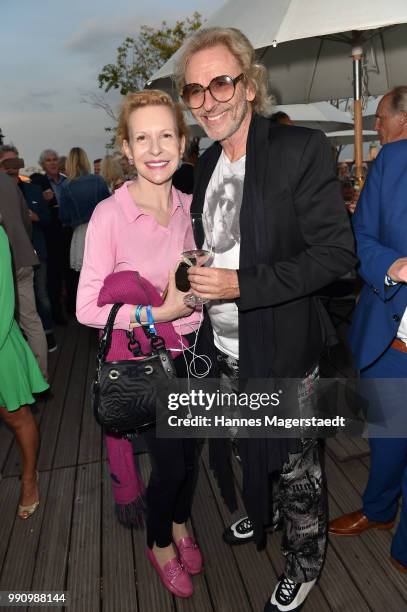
<point x="138" y="58"/>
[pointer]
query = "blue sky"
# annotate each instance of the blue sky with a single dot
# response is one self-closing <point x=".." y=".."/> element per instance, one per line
<point x="51" y="52"/>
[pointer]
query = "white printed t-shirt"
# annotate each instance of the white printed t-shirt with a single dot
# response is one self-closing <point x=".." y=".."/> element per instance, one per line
<point x="223" y="200"/>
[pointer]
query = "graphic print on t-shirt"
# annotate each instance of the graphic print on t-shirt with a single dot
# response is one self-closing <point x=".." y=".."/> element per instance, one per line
<point x="223" y="207"/>
<point x="223" y="201"/>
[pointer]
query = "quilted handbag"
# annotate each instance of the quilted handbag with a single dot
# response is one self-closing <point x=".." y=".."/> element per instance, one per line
<point x="128" y="395"/>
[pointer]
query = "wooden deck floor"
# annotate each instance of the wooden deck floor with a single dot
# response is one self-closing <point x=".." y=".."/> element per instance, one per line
<point x="74" y="543"/>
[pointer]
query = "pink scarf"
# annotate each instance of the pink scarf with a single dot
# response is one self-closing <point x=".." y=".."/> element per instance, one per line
<point x="128" y="487"/>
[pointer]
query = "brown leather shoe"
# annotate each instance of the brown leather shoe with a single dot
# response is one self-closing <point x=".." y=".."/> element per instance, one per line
<point x="399" y="566"/>
<point x="355" y="523"/>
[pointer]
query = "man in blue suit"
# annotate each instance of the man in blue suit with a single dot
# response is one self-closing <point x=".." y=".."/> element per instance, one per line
<point x="378" y="335"/>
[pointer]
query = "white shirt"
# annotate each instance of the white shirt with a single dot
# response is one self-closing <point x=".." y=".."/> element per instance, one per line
<point x="223" y="200"/>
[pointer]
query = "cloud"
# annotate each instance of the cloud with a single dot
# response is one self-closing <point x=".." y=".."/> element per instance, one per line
<point x="44" y="93"/>
<point x="35" y="100"/>
<point x="94" y="36"/>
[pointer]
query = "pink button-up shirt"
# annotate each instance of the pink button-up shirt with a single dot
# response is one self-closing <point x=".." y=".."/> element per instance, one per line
<point x="122" y="237"/>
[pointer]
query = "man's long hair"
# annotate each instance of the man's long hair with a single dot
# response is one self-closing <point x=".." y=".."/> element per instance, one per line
<point x="241" y="48"/>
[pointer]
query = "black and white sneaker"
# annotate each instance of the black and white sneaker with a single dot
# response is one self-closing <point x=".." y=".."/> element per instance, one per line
<point x="289" y="595"/>
<point x="240" y="532"/>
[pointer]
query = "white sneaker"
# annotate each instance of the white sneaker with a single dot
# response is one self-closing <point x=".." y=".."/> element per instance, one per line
<point x="289" y="595"/>
<point x="239" y="532"/>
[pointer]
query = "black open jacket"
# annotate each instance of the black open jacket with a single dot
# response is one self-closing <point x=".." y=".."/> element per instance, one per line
<point x="295" y="240"/>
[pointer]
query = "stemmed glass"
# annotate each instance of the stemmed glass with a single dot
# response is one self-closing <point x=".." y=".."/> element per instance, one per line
<point x="199" y="251"/>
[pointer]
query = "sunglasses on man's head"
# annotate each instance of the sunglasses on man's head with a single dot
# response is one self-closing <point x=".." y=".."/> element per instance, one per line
<point x="222" y="89"/>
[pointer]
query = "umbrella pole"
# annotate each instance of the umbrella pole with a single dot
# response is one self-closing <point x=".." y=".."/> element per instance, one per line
<point x="357" y="55"/>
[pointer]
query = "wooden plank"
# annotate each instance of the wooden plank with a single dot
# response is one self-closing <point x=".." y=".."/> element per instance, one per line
<point x="6" y="442"/>
<point x="365" y="572"/>
<point x="9" y="495"/>
<point x="69" y="432"/>
<point x="335" y="449"/>
<point x="152" y="595"/>
<point x="83" y="581"/>
<point x="255" y="568"/>
<point x="376" y="578"/>
<point x="354" y="472"/>
<point x="225" y="582"/>
<point x="53" y="549"/>
<point x="346" y="449"/>
<point x="119" y="581"/>
<point x="91" y="433"/>
<point x="20" y="560"/>
<point x="363" y="446"/>
<point x="351" y="449"/>
<point x="52" y="415"/>
<point x="53" y="358"/>
<point x="338" y="587"/>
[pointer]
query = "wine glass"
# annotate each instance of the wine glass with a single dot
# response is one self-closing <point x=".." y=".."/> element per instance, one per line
<point x="199" y="251"/>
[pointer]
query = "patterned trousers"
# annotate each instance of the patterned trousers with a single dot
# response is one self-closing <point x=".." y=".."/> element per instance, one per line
<point x="299" y="495"/>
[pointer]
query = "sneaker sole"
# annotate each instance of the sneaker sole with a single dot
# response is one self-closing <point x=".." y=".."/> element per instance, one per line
<point x="269" y="607"/>
<point x="237" y="541"/>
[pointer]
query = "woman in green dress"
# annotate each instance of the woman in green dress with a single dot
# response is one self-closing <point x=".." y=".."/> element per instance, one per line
<point x="20" y="377"/>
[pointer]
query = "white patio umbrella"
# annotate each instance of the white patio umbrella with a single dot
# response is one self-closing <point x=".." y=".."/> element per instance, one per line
<point x="306" y="45"/>
<point x="319" y="116"/>
<point x="347" y="137"/>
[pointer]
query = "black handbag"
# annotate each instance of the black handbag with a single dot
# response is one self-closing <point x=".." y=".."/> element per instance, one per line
<point x="128" y="395"/>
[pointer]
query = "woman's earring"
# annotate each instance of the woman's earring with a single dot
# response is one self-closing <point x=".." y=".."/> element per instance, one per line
<point x="131" y="161"/>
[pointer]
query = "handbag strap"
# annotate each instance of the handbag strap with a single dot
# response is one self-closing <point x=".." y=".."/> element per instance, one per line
<point x="157" y="343"/>
<point x="106" y="338"/>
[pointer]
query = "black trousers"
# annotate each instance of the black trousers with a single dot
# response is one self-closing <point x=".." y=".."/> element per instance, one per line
<point x="58" y="247"/>
<point x="171" y="486"/>
<point x="174" y="469"/>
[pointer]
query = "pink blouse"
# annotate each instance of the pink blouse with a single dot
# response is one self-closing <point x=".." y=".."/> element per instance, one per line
<point x="122" y="237"/>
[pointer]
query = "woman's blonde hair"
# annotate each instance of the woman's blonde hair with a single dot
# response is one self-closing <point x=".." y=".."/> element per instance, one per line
<point x="112" y="172"/>
<point x="148" y="97"/>
<point x="77" y="163"/>
<point x="242" y="50"/>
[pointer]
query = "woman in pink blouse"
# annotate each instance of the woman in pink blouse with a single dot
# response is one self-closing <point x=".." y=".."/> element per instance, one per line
<point x="143" y="226"/>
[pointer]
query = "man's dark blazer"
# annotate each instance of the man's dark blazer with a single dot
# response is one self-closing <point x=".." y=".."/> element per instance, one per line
<point x="380" y="225"/>
<point x="42" y="181"/>
<point x="36" y="202"/>
<point x="309" y="245"/>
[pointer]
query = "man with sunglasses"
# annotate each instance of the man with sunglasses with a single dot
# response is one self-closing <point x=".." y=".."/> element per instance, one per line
<point x="264" y="321"/>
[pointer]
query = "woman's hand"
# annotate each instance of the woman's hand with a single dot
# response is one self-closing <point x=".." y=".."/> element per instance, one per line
<point x="172" y="308"/>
